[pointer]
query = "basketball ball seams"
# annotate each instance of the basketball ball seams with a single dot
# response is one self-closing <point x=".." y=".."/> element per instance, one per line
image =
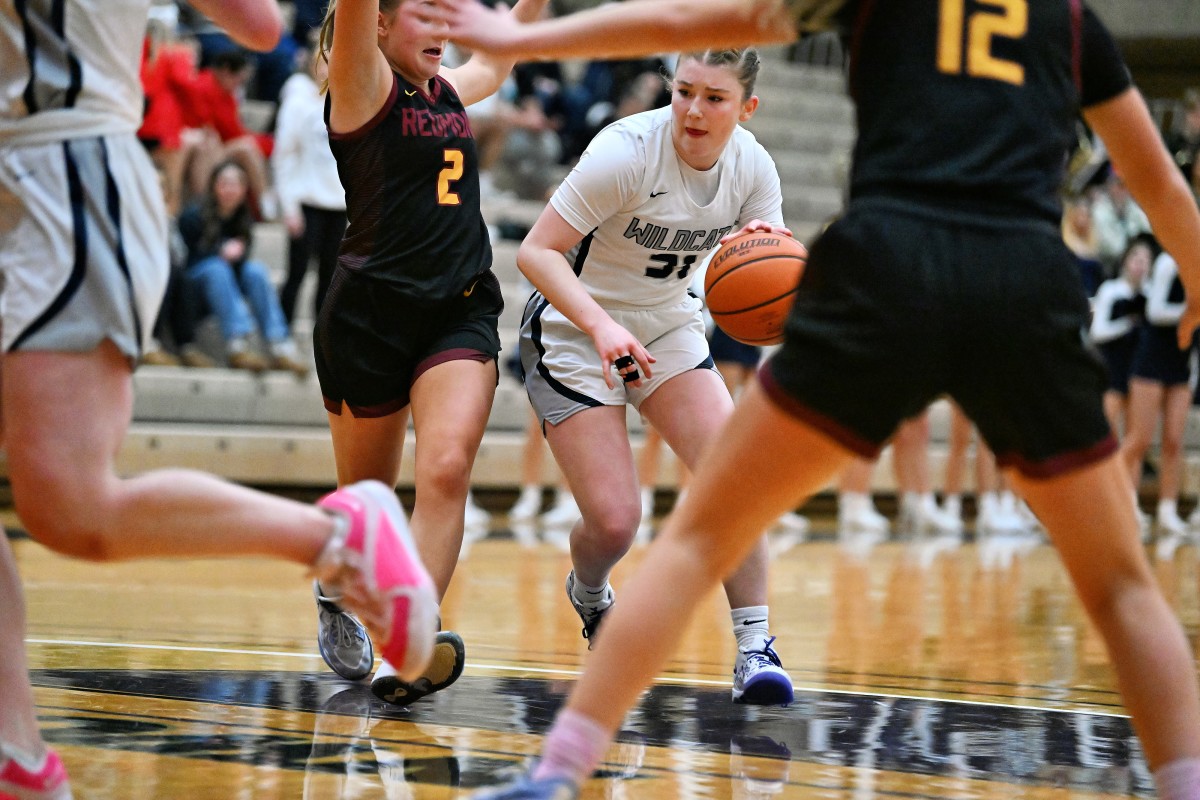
<point x="743" y="309"/>
<point x="720" y="276"/>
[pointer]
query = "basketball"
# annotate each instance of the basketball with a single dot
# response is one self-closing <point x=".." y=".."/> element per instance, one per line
<point x="750" y="284"/>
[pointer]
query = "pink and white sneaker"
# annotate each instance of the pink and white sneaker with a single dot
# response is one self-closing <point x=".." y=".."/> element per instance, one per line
<point x="380" y="575"/>
<point x="26" y="778"/>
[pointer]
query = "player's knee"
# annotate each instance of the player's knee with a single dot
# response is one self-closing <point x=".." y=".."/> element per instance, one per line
<point x="1118" y="596"/>
<point x="613" y="527"/>
<point x="64" y="525"/>
<point x="448" y="472"/>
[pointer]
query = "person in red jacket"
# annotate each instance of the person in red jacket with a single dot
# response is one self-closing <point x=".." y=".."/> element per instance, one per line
<point x="216" y="109"/>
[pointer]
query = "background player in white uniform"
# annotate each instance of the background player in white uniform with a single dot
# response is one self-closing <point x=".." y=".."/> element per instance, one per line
<point x="611" y="256"/>
<point x="83" y="264"/>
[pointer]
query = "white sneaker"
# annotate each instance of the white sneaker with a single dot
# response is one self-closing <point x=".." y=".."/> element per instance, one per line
<point x="564" y="513"/>
<point x="528" y="504"/>
<point x="920" y="516"/>
<point x="590" y="614"/>
<point x="857" y="517"/>
<point x="759" y="678"/>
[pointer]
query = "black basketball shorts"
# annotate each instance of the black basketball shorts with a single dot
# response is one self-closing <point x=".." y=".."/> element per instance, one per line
<point x="896" y="309"/>
<point x="372" y="342"/>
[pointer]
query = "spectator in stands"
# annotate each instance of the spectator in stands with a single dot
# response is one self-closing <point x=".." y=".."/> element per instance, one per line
<point x="1079" y="232"/>
<point x="1117" y="316"/>
<point x="238" y="289"/>
<point x="310" y="192"/>
<point x="168" y="78"/>
<point x="1158" y="390"/>
<point x="268" y="71"/>
<point x="1117" y="220"/>
<point x="516" y="136"/>
<point x="175" y="325"/>
<point x="613" y="90"/>
<point x="216" y="104"/>
<point x="1184" y="141"/>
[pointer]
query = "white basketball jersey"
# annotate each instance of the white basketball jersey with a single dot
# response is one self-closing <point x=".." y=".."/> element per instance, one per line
<point x="69" y="68"/>
<point x="648" y="219"/>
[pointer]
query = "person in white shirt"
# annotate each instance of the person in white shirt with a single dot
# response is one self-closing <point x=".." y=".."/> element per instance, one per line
<point x="611" y="257"/>
<point x="1117" y="312"/>
<point x="310" y="192"/>
<point x="1158" y="390"/>
<point x="1117" y="220"/>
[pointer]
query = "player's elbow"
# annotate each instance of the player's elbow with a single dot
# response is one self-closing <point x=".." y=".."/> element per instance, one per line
<point x="262" y="32"/>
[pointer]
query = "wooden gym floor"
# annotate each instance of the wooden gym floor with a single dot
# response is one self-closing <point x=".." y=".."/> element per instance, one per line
<point x="922" y="669"/>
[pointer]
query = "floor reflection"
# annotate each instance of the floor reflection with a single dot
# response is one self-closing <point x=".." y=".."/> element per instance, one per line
<point x="367" y="743"/>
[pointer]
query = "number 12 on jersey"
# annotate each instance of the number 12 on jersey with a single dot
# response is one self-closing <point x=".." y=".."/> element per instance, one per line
<point x="988" y="20"/>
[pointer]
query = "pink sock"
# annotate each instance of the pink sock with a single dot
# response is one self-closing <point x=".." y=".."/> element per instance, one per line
<point x="573" y="748"/>
<point x="1178" y="780"/>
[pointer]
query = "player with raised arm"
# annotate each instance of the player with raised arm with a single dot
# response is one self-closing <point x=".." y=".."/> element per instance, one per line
<point x="409" y="321"/>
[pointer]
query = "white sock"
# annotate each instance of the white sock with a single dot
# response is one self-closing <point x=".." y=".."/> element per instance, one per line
<point x="591" y="596"/>
<point x="1178" y="779"/>
<point x="750" y="626"/>
<point x="331" y="557"/>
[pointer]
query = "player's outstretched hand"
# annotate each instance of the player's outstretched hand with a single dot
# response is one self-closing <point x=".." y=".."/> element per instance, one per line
<point x="1189" y="323"/>
<point x="620" y="350"/>
<point x="757" y="226"/>
<point x="476" y="26"/>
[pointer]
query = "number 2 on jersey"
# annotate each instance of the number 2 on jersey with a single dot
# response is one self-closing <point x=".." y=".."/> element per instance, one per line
<point x="452" y="172"/>
<point x="1007" y="19"/>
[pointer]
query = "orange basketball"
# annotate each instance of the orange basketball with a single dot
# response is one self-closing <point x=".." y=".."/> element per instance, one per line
<point x="750" y="284"/>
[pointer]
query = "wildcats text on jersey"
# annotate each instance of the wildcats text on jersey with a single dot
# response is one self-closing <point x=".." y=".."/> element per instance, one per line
<point x="423" y="122"/>
<point x="654" y="237"/>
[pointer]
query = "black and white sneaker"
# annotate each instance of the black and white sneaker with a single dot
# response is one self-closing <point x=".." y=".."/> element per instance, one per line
<point x="449" y="657"/>
<point x="589" y="614"/>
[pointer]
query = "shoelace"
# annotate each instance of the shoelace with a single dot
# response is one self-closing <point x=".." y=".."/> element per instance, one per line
<point x="345" y="631"/>
<point x="767" y="654"/>
<point x="591" y="619"/>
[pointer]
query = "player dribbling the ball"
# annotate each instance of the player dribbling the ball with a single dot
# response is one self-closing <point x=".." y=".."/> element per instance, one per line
<point x="612" y="322"/>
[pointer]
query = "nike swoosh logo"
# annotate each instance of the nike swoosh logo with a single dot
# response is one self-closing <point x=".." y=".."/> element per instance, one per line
<point x="410" y="94"/>
<point x="752" y="621"/>
<point x="656" y="194"/>
<point x="467" y="293"/>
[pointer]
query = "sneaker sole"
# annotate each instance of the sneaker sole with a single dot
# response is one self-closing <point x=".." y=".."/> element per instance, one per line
<point x="768" y="690"/>
<point x="449" y="658"/>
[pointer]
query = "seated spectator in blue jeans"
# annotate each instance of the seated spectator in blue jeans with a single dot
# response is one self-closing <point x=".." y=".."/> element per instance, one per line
<point x="217" y="232"/>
